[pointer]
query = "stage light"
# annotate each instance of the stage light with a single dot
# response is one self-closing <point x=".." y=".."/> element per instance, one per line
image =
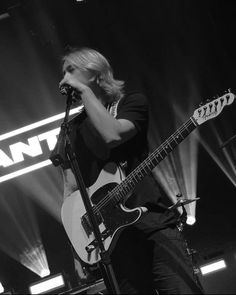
<point x="190" y="220"/>
<point x="4" y="16"/>
<point x="44" y="272"/>
<point x="47" y="285"/>
<point x="35" y="259"/>
<point x="212" y="267"/>
<point x="1" y="288"/>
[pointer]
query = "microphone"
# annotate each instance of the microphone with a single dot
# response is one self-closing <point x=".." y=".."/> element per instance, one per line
<point x="66" y="89"/>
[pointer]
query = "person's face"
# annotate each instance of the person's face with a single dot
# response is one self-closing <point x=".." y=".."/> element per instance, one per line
<point x="72" y="72"/>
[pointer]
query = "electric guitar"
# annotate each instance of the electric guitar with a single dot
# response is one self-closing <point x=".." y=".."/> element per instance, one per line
<point x="111" y="189"/>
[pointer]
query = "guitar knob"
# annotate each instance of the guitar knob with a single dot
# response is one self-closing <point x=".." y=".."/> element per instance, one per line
<point x="89" y="248"/>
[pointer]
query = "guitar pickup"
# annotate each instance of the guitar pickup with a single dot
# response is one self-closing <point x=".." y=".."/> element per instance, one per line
<point x="86" y="222"/>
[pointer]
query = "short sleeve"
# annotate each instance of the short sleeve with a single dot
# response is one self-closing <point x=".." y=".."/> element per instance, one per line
<point x="134" y="107"/>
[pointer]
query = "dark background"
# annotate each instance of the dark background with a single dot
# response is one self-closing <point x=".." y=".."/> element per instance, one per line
<point x="174" y="51"/>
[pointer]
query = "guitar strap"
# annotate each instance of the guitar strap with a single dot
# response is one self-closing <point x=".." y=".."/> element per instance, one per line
<point x="112" y="109"/>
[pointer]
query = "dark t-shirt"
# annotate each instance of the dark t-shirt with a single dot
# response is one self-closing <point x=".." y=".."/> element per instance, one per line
<point x="92" y="154"/>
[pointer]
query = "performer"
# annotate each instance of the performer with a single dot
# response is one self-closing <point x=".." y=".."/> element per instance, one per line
<point x="150" y="255"/>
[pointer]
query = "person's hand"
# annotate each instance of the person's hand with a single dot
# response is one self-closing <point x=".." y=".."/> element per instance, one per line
<point x="74" y="83"/>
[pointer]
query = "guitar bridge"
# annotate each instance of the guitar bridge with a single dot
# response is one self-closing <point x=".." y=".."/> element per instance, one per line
<point x="94" y="244"/>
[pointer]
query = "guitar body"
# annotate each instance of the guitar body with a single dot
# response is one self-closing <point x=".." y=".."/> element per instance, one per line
<point x="111" y="218"/>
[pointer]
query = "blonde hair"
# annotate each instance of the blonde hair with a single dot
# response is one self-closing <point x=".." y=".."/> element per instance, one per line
<point x="87" y="59"/>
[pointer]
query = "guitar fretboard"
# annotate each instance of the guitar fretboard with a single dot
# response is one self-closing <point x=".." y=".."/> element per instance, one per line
<point x="126" y="187"/>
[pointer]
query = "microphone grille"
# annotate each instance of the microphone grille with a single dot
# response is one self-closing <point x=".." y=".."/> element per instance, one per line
<point x="65" y="89"/>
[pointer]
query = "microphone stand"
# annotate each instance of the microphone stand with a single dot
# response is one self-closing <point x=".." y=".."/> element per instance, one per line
<point x="64" y="151"/>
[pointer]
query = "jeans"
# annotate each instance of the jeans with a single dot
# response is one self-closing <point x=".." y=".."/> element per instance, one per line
<point x="156" y="263"/>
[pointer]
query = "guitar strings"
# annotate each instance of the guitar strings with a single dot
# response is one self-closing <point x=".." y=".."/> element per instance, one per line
<point x="152" y="156"/>
<point x="116" y="191"/>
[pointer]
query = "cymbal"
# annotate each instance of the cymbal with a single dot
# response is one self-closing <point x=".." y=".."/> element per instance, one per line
<point x="182" y="202"/>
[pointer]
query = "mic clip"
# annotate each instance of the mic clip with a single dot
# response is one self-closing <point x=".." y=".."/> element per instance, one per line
<point x="65" y="89"/>
<point x="71" y="93"/>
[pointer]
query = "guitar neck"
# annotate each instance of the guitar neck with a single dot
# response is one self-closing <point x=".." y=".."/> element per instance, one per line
<point x="145" y="168"/>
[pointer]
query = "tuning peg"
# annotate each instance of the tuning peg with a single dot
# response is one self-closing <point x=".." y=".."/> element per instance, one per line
<point x="179" y="195"/>
<point x="228" y="90"/>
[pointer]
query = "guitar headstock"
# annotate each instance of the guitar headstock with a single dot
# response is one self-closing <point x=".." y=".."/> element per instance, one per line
<point x="213" y="108"/>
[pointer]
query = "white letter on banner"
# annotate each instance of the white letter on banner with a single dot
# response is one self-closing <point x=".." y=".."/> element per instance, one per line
<point x="33" y="149"/>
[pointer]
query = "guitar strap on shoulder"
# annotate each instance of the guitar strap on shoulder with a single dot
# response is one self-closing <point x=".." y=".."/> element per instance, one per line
<point x="112" y="109"/>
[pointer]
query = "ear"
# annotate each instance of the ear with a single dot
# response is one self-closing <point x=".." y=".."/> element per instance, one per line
<point x="95" y="79"/>
<point x="98" y="80"/>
